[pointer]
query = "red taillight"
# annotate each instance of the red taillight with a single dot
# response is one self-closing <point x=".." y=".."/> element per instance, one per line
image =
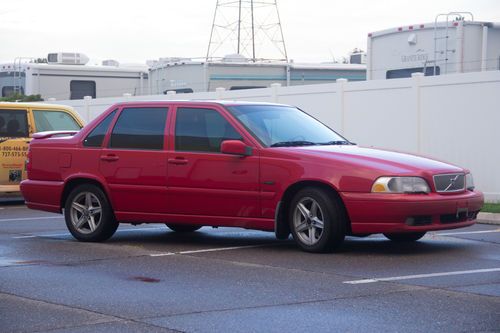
<point x="27" y="163"/>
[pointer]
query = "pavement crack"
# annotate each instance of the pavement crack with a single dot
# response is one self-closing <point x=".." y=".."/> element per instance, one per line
<point x="264" y="306"/>
<point x="103" y="317"/>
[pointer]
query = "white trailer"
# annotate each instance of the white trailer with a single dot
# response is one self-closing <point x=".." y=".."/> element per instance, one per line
<point x="186" y="75"/>
<point x="456" y="45"/>
<point x="67" y="76"/>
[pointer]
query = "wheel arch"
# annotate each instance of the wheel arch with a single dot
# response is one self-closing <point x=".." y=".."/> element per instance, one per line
<point x="282" y="229"/>
<point x="72" y="183"/>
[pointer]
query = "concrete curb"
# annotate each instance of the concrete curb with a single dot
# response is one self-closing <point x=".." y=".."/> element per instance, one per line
<point x="488" y="218"/>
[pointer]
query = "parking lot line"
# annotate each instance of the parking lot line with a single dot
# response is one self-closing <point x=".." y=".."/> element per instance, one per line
<point x="32" y="218"/>
<point x="206" y="250"/>
<point x="467" y="232"/>
<point x="68" y="234"/>
<point x="421" y="276"/>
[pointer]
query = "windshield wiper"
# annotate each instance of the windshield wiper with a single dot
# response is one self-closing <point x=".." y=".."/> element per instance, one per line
<point x="293" y="143"/>
<point x="338" y="143"/>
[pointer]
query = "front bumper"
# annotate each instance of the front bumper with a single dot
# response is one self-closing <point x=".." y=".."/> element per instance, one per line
<point x="391" y="213"/>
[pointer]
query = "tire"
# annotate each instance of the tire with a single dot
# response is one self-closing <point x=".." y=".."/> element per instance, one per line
<point x="405" y="237"/>
<point x="317" y="220"/>
<point x="88" y="214"/>
<point x="183" y="227"/>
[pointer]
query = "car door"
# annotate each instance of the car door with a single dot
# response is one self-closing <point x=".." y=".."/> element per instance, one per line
<point x="202" y="180"/>
<point x="134" y="160"/>
<point x="14" y="139"/>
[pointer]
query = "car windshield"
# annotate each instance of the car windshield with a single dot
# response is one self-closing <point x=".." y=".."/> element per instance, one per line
<point x="284" y="126"/>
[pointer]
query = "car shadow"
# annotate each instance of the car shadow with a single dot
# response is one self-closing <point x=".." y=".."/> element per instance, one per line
<point x="213" y="238"/>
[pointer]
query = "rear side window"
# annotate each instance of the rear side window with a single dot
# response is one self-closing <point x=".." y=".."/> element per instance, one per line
<point x="96" y="137"/>
<point x="202" y="130"/>
<point x="54" y="121"/>
<point x="14" y="123"/>
<point x="139" y="128"/>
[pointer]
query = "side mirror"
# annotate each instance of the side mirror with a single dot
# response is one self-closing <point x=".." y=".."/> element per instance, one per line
<point x="235" y="147"/>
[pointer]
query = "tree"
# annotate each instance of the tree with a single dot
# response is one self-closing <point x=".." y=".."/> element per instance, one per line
<point x="17" y="97"/>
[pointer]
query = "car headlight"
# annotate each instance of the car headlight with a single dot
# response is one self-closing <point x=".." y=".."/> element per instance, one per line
<point x="469" y="182"/>
<point x="400" y="185"/>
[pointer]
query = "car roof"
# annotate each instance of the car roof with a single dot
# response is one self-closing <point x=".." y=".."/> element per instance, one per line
<point x="34" y="105"/>
<point x="196" y="102"/>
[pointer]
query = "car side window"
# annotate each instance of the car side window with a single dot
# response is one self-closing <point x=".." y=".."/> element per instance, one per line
<point x="140" y="128"/>
<point x="14" y="123"/>
<point x="202" y="130"/>
<point x="54" y="121"/>
<point x="96" y="136"/>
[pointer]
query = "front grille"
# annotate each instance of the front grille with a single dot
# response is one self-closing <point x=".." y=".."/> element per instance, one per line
<point x="461" y="216"/>
<point x="453" y="182"/>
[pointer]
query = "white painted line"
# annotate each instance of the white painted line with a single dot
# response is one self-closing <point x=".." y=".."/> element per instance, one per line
<point x="421" y="276"/>
<point x="68" y="234"/>
<point x="467" y="232"/>
<point x="32" y="218"/>
<point x="206" y="250"/>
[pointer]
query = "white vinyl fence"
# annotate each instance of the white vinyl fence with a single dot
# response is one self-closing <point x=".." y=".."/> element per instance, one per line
<point x="455" y="118"/>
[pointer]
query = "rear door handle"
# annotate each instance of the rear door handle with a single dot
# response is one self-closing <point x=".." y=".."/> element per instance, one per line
<point x="109" y="158"/>
<point x="177" y="161"/>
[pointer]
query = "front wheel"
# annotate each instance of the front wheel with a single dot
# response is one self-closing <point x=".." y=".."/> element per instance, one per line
<point x="183" y="227"/>
<point x="405" y="237"/>
<point x="88" y="214"/>
<point x="317" y="220"/>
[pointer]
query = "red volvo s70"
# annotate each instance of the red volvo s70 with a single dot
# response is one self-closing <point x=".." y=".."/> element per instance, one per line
<point x="251" y="165"/>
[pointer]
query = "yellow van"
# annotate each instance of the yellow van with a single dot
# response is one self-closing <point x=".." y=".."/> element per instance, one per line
<point x="18" y="121"/>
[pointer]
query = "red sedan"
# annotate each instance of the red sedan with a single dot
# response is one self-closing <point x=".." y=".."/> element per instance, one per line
<point x="251" y="165"/>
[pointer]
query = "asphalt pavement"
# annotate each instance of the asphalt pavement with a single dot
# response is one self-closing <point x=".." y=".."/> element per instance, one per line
<point x="150" y="279"/>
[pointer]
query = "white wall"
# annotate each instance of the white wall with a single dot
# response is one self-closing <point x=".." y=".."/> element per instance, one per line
<point x="455" y="118"/>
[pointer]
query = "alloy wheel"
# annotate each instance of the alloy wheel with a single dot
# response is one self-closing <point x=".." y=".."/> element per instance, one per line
<point x="86" y="212"/>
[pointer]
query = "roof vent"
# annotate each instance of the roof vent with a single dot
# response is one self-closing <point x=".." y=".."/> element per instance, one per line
<point x="67" y="58"/>
<point x="234" y="58"/>
<point x="110" y="62"/>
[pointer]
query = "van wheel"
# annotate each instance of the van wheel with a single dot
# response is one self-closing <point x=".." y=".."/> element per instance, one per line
<point x="183" y="227"/>
<point x="405" y="237"/>
<point x="317" y="221"/>
<point x="88" y="214"/>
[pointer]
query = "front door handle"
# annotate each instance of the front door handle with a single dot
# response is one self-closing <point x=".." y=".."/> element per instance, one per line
<point x="177" y="161"/>
<point x="109" y="158"/>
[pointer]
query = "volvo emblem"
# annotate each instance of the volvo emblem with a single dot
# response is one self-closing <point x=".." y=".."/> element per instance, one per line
<point x="452" y="181"/>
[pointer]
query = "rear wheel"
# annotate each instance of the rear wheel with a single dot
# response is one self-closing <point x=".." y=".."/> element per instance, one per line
<point x="405" y="237"/>
<point x="88" y="214"/>
<point x="183" y="227"/>
<point x="317" y="221"/>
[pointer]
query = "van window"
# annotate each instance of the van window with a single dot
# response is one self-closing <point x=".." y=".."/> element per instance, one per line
<point x="54" y="121"/>
<point x="14" y="123"/>
<point x="202" y="130"/>
<point x="407" y="72"/>
<point x="10" y="90"/>
<point x="96" y="136"/>
<point x="79" y="89"/>
<point x="139" y="128"/>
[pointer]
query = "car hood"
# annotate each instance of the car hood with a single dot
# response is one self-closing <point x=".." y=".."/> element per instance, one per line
<point x="386" y="161"/>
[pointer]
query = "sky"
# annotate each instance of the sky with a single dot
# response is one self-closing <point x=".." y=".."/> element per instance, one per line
<point x="135" y="31"/>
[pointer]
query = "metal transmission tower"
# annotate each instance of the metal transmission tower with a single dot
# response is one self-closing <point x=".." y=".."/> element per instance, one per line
<point x="251" y="28"/>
